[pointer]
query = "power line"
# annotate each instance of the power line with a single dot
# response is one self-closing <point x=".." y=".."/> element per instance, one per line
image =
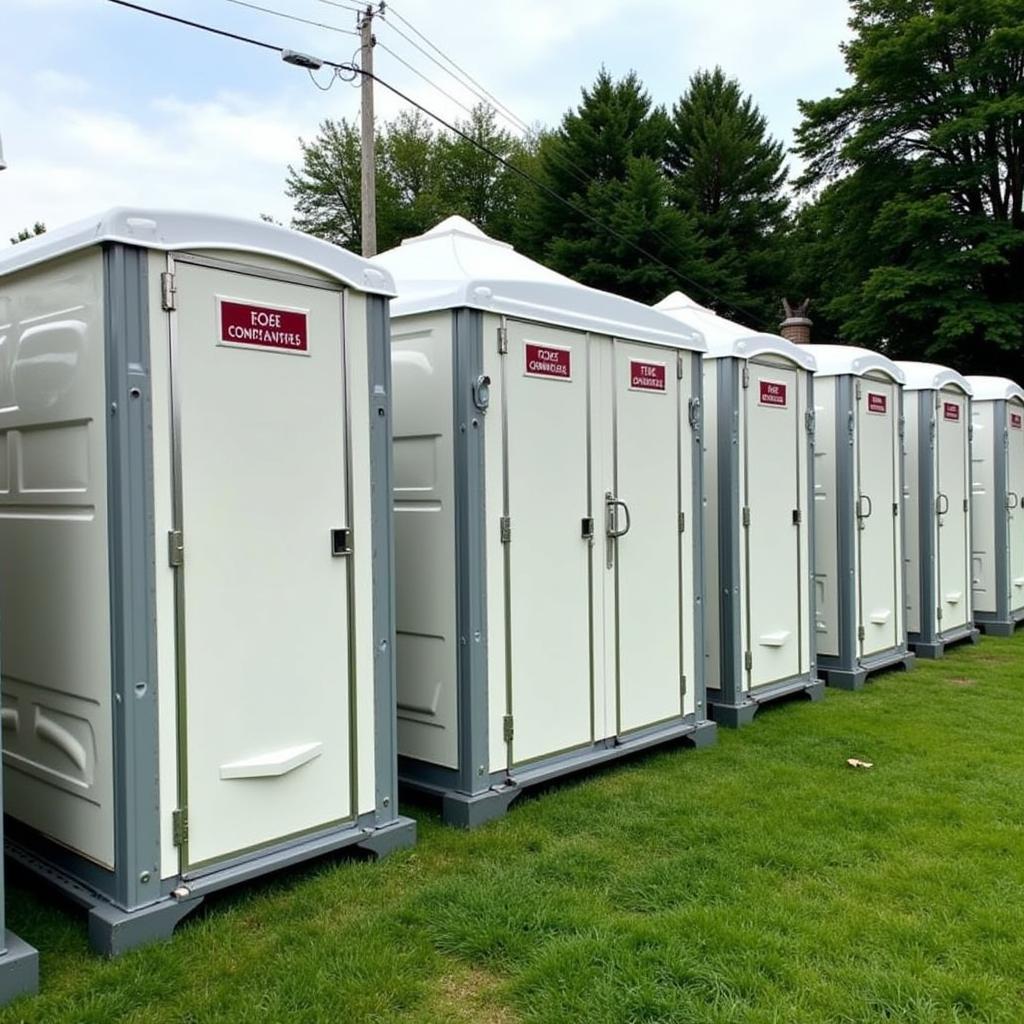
<point x="292" y="17"/>
<point x="454" y="129"/>
<point x="432" y="84"/>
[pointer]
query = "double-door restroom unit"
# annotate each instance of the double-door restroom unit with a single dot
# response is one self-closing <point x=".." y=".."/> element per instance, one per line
<point x="548" y="540"/>
<point x="860" y="582"/>
<point x="195" y="532"/>
<point x="997" y="523"/>
<point x="758" y="515"/>
<point x="938" y="498"/>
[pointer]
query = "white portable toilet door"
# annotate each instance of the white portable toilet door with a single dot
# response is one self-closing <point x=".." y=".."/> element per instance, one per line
<point x="546" y="426"/>
<point x="772" y="494"/>
<point x="263" y="651"/>
<point x="1015" y="489"/>
<point x="952" y="455"/>
<point x="647" y="559"/>
<point x="876" y="507"/>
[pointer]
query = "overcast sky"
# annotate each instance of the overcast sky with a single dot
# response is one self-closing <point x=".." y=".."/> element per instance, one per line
<point x="102" y="106"/>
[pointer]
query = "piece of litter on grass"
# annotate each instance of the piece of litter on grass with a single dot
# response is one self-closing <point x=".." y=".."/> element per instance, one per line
<point x="854" y="762"/>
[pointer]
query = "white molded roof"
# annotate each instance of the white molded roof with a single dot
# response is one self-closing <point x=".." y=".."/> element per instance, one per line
<point x="170" y="230"/>
<point x="456" y="265"/>
<point x="837" y="360"/>
<point x="932" y="377"/>
<point x="728" y="339"/>
<point x="992" y="389"/>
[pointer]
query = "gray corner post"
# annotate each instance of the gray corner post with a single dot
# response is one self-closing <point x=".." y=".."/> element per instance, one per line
<point x="926" y="642"/>
<point x="132" y="578"/>
<point x="470" y="553"/>
<point x="1001" y="486"/>
<point x="812" y="606"/>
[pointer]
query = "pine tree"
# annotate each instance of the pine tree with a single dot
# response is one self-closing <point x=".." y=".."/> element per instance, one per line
<point x="728" y="174"/>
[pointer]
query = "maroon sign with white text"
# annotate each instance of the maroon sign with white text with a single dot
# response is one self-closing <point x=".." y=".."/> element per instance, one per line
<point x="772" y="393"/>
<point x="951" y="411"/>
<point x="1016" y="420"/>
<point x="877" y="403"/>
<point x="646" y="376"/>
<point x="548" y="361"/>
<point x="283" y="330"/>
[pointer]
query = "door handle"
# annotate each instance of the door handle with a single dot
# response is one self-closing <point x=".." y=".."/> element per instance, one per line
<point x="940" y="508"/>
<point x="612" y="505"/>
<point x="861" y="514"/>
<point x="1012" y="499"/>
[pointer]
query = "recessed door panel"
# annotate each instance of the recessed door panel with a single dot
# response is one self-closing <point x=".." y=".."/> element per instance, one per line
<point x="258" y="380"/>
<point x="647" y="559"/>
<point x="1015" y="488"/>
<point x="952" y="486"/>
<point x="545" y="386"/>
<point x="877" y="499"/>
<point x="986" y="506"/>
<point x="773" y="494"/>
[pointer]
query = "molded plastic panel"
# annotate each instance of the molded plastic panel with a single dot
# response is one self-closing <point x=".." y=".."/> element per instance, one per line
<point x="826" y="526"/>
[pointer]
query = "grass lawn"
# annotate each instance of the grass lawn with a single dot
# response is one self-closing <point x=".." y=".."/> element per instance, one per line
<point x="760" y="881"/>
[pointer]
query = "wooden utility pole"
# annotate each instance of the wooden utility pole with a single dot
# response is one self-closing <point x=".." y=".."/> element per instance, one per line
<point x="368" y="177"/>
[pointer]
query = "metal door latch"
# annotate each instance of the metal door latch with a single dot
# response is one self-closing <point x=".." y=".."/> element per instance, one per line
<point x="587" y="528"/>
<point x="341" y="542"/>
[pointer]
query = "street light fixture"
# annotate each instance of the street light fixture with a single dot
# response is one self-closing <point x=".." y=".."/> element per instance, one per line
<point x="3" y="164"/>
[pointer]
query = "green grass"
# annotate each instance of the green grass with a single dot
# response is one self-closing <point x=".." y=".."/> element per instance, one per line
<point x="761" y="881"/>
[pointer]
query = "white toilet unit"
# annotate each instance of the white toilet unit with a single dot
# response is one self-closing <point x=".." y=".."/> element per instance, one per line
<point x="547" y="517"/>
<point x="195" y="559"/>
<point x="859" y="520"/>
<point x="758" y="515"/>
<point x="997" y="525"/>
<point x="938" y="492"/>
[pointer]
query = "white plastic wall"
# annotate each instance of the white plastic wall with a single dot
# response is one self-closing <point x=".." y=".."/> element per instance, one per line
<point x="986" y="447"/>
<point x="826" y="529"/>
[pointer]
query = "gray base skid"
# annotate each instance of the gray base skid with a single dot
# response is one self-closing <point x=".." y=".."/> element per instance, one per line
<point x="19" y="969"/>
<point x="996" y="628"/>
<point x="113" y="931"/>
<point x="854" y="679"/>
<point x="932" y="649"/>
<point x="470" y="811"/>
<point x="735" y="716"/>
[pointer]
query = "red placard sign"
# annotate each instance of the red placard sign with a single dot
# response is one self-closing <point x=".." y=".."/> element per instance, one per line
<point x="877" y="403"/>
<point x="1016" y="420"/>
<point x="548" y="361"/>
<point x="772" y="393"/>
<point x="283" y="330"/>
<point x="951" y="411"/>
<point x="646" y="376"/>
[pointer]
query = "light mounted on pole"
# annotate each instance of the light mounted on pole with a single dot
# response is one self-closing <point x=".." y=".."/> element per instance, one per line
<point x="302" y="60"/>
<point x="3" y="163"/>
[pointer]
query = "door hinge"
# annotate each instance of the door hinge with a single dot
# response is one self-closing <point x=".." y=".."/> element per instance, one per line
<point x="682" y="685"/>
<point x="507" y="728"/>
<point x="938" y="614"/>
<point x="895" y="509"/>
<point x="860" y="633"/>
<point x="966" y="505"/>
<point x="502" y="341"/>
<point x="682" y="522"/>
<point x="748" y="661"/>
<point x="694" y="412"/>
<point x="746" y="515"/>
<point x="810" y="422"/>
<point x="746" y="375"/>
<point x="858" y="391"/>
<point x="167" y="290"/>
<point x="506" y="529"/>
<point x="175" y="549"/>
<point x="798" y="517"/>
<point x="679" y="365"/>
<point x="179" y="826"/>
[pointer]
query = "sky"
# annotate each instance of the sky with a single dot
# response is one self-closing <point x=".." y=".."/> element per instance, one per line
<point x="103" y="106"/>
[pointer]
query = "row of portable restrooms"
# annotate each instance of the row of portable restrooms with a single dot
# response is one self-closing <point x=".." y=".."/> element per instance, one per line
<point x="281" y="526"/>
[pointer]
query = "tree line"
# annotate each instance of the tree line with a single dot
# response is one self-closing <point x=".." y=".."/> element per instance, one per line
<point x="905" y="225"/>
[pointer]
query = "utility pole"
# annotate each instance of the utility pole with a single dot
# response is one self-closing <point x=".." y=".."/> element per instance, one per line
<point x="368" y="177"/>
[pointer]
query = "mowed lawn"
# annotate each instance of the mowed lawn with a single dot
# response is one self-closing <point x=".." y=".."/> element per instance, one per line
<point x="760" y="881"/>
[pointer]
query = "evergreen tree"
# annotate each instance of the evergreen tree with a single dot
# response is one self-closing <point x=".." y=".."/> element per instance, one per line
<point x="728" y="175"/>
<point x="39" y="228"/>
<point x="927" y="147"/>
<point x="605" y="159"/>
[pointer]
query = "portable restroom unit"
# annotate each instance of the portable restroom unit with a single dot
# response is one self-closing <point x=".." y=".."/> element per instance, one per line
<point x="860" y="586"/>
<point x="938" y="482"/>
<point x="195" y="560"/>
<point x="758" y="515"/>
<point x="997" y="524"/>
<point x="548" y="543"/>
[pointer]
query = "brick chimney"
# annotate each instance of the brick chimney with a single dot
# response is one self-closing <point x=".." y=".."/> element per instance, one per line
<point x="797" y="326"/>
